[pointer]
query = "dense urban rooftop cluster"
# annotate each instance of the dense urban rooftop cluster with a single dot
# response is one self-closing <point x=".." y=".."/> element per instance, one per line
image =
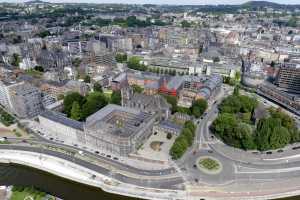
<point x="154" y="96"/>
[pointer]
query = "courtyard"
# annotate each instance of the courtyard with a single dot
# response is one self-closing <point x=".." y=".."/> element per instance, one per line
<point x="157" y="147"/>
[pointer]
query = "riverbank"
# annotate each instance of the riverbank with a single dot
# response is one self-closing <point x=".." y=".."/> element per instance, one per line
<point x="14" y="174"/>
<point x="86" y="176"/>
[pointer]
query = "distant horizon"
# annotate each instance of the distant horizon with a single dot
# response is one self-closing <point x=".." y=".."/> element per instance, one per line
<point x="160" y="2"/>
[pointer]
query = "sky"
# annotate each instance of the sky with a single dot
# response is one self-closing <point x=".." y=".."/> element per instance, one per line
<point x="177" y="2"/>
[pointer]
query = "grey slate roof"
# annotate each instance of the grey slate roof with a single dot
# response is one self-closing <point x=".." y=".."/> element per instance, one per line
<point x="60" y="118"/>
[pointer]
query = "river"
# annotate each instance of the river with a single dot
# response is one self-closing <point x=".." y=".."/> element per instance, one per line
<point x="11" y="174"/>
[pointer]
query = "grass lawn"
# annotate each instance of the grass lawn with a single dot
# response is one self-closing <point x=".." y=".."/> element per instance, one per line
<point x="209" y="164"/>
<point x="24" y="193"/>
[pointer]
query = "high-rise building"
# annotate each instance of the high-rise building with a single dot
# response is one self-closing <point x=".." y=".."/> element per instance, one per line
<point x="21" y="98"/>
<point x="289" y="78"/>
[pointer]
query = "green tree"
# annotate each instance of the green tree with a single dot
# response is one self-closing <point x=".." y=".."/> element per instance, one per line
<point x="247" y="104"/>
<point x="189" y="136"/>
<point x="134" y="63"/>
<point x="225" y="124"/>
<point x="75" y="111"/>
<point x="190" y="125"/>
<point x="264" y="130"/>
<point x="199" y="107"/>
<point x="94" y="102"/>
<point x="69" y="99"/>
<point x="179" y="147"/>
<point x="98" y="87"/>
<point x="295" y="135"/>
<point x="116" y="97"/>
<point x="172" y="101"/>
<point x="243" y="133"/>
<point x="279" y="137"/>
<point x="286" y="121"/>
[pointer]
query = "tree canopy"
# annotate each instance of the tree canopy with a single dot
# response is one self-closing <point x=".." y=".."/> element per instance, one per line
<point x="183" y="141"/>
<point x="69" y="99"/>
<point x="236" y="128"/>
<point x="94" y="102"/>
<point x="116" y="97"/>
<point x="135" y="63"/>
<point x="79" y="108"/>
<point x="199" y="107"/>
<point x="98" y="87"/>
<point x="76" y="111"/>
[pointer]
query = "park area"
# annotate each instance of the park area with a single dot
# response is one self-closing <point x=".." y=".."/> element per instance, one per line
<point x="245" y="123"/>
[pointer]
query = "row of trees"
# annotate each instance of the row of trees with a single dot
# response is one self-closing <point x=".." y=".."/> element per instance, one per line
<point x="197" y="109"/>
<point x="236" y="125"/>
<point x="78" y="107"/>
<point x="130" y="21"/>
<point x="135" y="63"/>
<point x="183" y="141"/>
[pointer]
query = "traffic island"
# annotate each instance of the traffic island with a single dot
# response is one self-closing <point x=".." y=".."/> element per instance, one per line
<point x="209" y="165"/>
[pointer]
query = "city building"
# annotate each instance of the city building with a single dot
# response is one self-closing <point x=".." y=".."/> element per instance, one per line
<point x="289" y="101"/>
<point x="21" y="98"/>
<point x="113" y="129"/>
<point x="289" y="78"/>
<point x="148" y="103"/>
<point x="118" y="130"/>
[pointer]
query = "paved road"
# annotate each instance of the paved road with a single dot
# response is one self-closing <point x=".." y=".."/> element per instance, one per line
<point x="164" y="183"/>
<point x="238" y="165"/>
<point x="114" y="163"/>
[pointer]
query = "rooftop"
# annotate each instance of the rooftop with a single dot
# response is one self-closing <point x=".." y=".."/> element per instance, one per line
<point x="118" y="120"/>
<point x="60" y="118"/>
